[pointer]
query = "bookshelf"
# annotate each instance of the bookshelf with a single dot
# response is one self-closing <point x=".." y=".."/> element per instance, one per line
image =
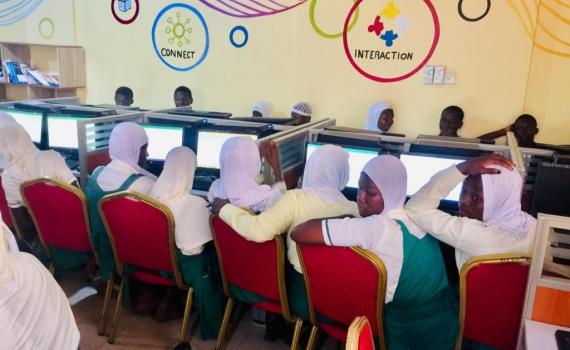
<point x="67" y="62"/>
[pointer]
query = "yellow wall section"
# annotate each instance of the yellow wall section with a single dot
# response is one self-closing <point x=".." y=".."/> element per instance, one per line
<point x="286" y="61"/>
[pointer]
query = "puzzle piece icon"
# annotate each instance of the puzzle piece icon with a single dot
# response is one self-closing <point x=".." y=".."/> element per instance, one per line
<point x="389" y="37"/>
<point x="391" y="11"/>
<point x="377" y="27"/>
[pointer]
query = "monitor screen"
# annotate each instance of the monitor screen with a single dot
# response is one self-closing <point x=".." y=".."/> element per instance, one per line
<point x="210" y="145"/>
<point x="62" y="131"/>
<point x="357" y="159"/>
<point x="421" y="168"/>
<point x="161" y="139"/>
<point x="31" y="121"/>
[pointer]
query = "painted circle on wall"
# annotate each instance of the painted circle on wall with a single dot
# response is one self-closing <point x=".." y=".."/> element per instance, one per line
<point x="125" y="6"/>
<point x="243" y="41"/>
<point x="386" y="52"/>
<point x="46" y="28"/>
<point x="321" y="32"/>
<point x="180" y="37"/>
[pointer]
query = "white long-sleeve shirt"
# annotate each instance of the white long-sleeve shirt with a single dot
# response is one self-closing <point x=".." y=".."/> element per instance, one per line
<point x="469" y="237"/>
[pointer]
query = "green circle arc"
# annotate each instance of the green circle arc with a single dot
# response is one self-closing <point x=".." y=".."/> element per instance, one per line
<point x="319" y="31"/>
<point x="50" y="34"/>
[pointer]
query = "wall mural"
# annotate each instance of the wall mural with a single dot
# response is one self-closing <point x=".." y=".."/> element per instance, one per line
<point x="12" y="11"/>
<point x="125" y="11"/>
<point x="251" y="8"/>
<point x="473" y="19"/>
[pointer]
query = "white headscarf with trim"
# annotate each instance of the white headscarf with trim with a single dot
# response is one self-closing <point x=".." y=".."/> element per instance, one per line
<point x="125" y="144"/>
<point x="390" y="176"/>
<point x="240" y="164"/>
<point x="502" y="203"/>
<point x="374" y="114"/>
<point x="327" y="172"/>
<point x="5" y="119"/>
<point x="191" y="214"/>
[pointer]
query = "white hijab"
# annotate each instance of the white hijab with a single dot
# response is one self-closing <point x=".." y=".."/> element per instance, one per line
<point x="18" y="151"/>
<point x="240" y="163"/>
<point x="5" y="119"/>
<point x="502" y="203"/>
<point x="34" y="312"/>
<point x="191" y="214"/>
<point x="327" y="172"/>
<point x="125" y="144"/>
<point x="264" y="108"/>
<point x="390" y="176"/>
<point x="374" y="114"/>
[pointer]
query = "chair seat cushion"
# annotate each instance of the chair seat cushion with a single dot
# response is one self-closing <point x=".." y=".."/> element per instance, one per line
<point x="335" y="332"/>
<point x="269" y="307"/>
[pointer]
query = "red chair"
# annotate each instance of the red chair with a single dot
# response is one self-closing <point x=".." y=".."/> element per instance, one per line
<point x="59" y="212"/>
<point x="492" y="293"/>
<point x="238" y="268"/>
<point x="141" y="231"/>
<point x="360" y="335"/>
<point x="354" y="285"/>
<point x="4" y="209"/>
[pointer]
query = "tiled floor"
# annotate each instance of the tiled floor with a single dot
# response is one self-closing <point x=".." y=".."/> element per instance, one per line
<point x="137" y="332"/>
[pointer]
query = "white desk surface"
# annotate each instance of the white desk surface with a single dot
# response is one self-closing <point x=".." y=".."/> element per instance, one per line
<point x="540" y="336"/>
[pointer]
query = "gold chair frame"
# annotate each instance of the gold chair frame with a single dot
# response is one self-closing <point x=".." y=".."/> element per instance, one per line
<point x="285" y="309"/>
<point x="119" y="267"/>
<point x="472" y="263"/>
<point x="67" y="187"/>
<point x="354" y="331"/>
<point x="381" y="295"/>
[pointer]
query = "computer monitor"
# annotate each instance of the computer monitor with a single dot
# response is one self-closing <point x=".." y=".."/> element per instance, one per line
<point x="209" y="145"/>
<point x="551" y="193"/>
<point x="62" y="131"/>
<point x="357" y="159"/>
<point x="161" y="139"/>
<point x="421" y="168"/>
<point x="30" y="121"/>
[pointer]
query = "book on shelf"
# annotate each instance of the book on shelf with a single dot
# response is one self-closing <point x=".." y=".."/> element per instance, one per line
<point x="19" y="73"/>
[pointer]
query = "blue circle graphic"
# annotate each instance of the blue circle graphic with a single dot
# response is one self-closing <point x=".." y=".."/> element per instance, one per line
<point x="245" y="34"/>
<point x="200" y="17"/>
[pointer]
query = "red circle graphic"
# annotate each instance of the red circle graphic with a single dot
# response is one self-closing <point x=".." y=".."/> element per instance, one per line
<point x="401" y="77"/>
<point x="125" y="21"/>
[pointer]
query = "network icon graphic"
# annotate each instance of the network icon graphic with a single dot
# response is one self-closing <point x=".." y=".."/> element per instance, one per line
<point x="179" y="30"/>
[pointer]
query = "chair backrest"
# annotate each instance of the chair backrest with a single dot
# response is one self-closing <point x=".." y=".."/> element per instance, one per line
<point x="4" y="209"/>
<point x="59" y="211"/>
<point x="360" y="335"/>
<point x="492" y="292"/>
<point x="141" y="231"/>
<point x="344" y="283"/>
<point x="240" y="261"/>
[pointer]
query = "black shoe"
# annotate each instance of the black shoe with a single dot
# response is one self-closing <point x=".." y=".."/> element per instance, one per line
<point x="183" y="346"/>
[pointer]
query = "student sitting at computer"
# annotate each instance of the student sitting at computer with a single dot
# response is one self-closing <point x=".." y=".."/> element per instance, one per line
<point x="240" y="165"/>
<point x="262" y="109"/>
<point x="124" y="96"/>
<point x="5" y="119"/>
<point x="301" y="112"/>
<point x="197" y="258"/>
<point x="326" y="175"/>
<point x="26" y="163"/>
<point x="128" y="151"/>
<point x="34" y="312"/>
<point x="491" y="220"/>
<point x="183" y="96"/>
<point x="380" y="117"/>
<point x="451" y="121"/>
<point x="420" y="312"/>
<point x="525" y="129"/>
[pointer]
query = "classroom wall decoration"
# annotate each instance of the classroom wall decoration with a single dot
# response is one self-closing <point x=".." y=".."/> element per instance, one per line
<point x="252" y="8"/>
<point x="393" y="41"/>
<point x="125" y="11"/>
<point x="180" y="37"/>
<point x="12" y="11"/>
<point x="339" y="55"/>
